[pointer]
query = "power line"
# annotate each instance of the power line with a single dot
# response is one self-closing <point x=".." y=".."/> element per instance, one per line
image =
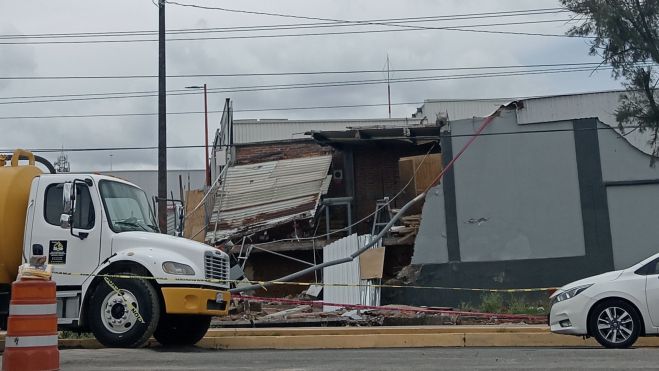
<point x="464" y="28"/>
<point x="453" y="28"/>
<point x="301" y="73"/>
<point x="345" y="83"/>
<point x="296" y="73"/>
<point x="454" y="17"/>
<point x="274" y="109"/>
<point x="522" y="132"/>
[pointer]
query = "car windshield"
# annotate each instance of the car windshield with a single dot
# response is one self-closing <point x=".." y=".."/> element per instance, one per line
<point x="127" y="207"/>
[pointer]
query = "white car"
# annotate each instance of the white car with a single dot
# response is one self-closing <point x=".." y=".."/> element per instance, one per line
<point x="615" y="307"/>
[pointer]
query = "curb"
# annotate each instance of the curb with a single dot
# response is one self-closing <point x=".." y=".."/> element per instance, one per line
<point x="379" y="330"/>
<point x="376" y="337"/>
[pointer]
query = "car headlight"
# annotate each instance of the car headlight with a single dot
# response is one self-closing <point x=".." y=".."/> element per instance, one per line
<point x="177" y="268"/>
<point x="569" y="294"/>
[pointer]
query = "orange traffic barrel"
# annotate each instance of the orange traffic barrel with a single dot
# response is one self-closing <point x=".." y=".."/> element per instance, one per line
<point x="31" y="341"/>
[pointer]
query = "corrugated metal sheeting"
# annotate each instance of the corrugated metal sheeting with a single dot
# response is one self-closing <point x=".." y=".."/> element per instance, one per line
<point x="459" y="109"/>
<point x="601" y="105"/>
<point x="346" y="274"/>
<point x="171" y="222"/>
<point x="254" y="131"/>
<point x="259" y="196"/>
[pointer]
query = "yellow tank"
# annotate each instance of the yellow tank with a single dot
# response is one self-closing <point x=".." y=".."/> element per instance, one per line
<point x="15" y="182"/>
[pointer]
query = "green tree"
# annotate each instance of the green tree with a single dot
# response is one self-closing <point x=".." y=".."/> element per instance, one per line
<point x="625" y="33"/>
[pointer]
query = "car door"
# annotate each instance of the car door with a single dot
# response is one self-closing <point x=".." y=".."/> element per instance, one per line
<point x="651" y="272"/>
<point x="66" y="252"/>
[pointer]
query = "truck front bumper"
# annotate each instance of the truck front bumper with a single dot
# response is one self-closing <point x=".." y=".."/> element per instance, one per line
<point x="187" y="300"/>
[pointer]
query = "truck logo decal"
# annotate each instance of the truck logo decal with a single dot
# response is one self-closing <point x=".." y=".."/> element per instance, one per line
<point x="57" y="252"/>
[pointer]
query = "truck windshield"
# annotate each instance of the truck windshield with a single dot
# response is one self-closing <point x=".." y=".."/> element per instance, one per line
<point x="127" y="207"/>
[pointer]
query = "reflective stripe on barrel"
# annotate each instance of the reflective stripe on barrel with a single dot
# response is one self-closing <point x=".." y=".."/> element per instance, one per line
<point x="30" y="341"/>
<point x="32" y="309"/>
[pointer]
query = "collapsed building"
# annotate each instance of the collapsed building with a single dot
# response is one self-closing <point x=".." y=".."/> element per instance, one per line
<point x="551" y="192"/>
<point x="283" y="194"/>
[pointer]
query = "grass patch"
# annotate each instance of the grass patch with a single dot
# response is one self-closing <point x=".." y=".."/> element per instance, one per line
<point x="515" y="303"/>
<point x="491" y="302"/>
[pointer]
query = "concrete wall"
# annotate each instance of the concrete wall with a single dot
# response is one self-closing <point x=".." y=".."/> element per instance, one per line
<point x="542" y="206"/>
<point x="632" y="192"/>
<point x="526" y="206"/>
<point x="517" y="196"/>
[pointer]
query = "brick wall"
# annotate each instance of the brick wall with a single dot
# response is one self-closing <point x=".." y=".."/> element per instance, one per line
<point x="377" y="176"/>
<point x="273" y="151"/>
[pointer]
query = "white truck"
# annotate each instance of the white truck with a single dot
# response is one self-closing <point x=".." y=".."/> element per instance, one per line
<point x="96" y="231"/>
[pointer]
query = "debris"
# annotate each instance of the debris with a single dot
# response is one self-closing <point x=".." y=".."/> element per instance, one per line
<point x="406" y="233"/>
<point x="285" y="313"/>
<point x="314" y="290"/>
<point x="353" y="314"/>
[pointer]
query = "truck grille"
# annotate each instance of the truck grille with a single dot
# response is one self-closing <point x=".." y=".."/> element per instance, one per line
<point x="216" y="267"/>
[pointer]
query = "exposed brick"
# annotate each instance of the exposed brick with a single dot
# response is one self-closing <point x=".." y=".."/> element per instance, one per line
<point x="273" y="151"/>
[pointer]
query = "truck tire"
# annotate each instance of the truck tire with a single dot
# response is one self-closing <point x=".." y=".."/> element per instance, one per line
<point x="126" y="319"/>
<point x="179" y="329"/>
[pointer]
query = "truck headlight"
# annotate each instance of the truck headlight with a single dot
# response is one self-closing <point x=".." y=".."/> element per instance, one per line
<point x="569" y="294"/>
<point x="177" y="268"/>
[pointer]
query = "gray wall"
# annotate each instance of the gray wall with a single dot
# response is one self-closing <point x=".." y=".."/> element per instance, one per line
<point x="633" y="206"/>
<point x="517" y="196"/>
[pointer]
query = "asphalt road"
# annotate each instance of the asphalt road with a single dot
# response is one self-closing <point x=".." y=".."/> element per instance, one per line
<point x="364" y="359"/>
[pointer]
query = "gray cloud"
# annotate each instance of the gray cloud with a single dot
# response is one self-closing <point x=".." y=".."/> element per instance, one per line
<point x="412" y="49"/>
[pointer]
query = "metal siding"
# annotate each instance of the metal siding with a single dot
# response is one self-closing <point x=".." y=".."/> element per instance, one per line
<point x="253" y="131"/>
<point x="359" y="291"/>
<point x="171" y="222"/>
<point x="346" y="273"/>
<point x="259" y="196"/>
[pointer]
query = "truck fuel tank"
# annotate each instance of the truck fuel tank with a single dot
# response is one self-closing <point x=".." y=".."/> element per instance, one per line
<point x="15" y="183"/>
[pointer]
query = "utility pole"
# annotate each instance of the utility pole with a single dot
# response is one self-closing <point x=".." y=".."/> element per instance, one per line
<point x="162" y="121"/>
<point x="206" y="160"/>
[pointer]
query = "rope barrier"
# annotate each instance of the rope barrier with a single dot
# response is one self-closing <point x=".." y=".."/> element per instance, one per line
<point x="216" y="281"/>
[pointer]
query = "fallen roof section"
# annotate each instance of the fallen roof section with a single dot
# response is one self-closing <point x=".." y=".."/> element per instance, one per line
<point x="257" y="197"/>
<point x="414" y="135"/>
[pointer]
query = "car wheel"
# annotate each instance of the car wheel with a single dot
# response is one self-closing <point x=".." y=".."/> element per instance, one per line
<point x="178" y="329"/>
<point x="123" y="316"/>
<point x="615" y="324"/>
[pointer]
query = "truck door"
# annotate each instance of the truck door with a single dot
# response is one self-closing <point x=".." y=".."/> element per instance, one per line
<point x="68" y="253"/>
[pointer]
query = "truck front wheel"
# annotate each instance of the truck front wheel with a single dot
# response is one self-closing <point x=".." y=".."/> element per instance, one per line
<point x="123" y="313"/>
<point x="179" y="329"/>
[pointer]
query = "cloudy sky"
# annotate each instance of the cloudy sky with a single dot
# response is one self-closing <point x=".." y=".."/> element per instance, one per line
<point x="407" y="49"/>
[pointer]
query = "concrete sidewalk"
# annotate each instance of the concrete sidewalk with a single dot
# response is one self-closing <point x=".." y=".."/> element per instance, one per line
<point x="377" y="337"/>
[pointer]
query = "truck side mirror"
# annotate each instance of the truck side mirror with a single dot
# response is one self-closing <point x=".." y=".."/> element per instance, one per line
<point x="179" y="213"/>
<point x="68" y="200"/>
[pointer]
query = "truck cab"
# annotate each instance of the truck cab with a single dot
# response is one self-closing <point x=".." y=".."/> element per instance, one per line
<point x="116" y="274"/>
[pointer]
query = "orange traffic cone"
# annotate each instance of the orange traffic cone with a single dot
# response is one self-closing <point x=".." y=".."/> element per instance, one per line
<point x="31" y="341"/>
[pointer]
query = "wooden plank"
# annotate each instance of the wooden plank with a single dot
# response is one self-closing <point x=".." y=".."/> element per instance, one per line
<point x="371" y="264"/>
<point x="195" y="224"/>
<point x="428" y="170"/>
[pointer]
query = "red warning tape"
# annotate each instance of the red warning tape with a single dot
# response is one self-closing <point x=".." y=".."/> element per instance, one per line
<point x="319" y="303"/>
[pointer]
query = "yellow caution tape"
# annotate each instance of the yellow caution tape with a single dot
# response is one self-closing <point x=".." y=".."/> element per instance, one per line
<point x="211" y="280"/>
